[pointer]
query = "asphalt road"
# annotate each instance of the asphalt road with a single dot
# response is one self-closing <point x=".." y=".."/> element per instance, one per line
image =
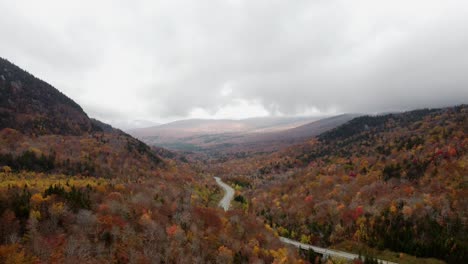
<point x="326" y="251"/>
<point x="228" y="195"/>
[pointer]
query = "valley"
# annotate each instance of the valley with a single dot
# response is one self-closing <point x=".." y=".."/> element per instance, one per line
<point x="350" y="188"/>
<point x="237" y="137"/>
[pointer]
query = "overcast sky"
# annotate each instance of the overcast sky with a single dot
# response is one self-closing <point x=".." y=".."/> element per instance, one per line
<point x="166" y="60"/>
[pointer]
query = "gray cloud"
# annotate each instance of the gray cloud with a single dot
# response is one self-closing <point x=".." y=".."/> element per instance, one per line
<point x="162" y="60"/>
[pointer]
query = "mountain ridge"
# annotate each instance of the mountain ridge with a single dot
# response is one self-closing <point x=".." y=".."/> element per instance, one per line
<point x="35" y="107"/>
<point x="38" y="123"/>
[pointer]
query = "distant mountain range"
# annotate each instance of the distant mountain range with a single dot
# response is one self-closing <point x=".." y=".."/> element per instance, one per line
<point x="128" y="125"/>
<point x="192" y="127"/>
<point x="252" y="135"/>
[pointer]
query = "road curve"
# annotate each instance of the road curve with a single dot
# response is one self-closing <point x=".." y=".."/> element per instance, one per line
<point x="326" y="251"/>
<point x="228" y="194"/>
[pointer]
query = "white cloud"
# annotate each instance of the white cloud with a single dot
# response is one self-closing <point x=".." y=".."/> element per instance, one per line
<point x="236" y="109"/>
<point x="226" y="90"/>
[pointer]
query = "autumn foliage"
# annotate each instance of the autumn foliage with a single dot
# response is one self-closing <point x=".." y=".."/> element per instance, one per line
<point x="393" y="182"/>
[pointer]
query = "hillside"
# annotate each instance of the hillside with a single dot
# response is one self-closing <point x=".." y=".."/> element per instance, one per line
<point x="35" y="107"/>
<point x="76" y="190"/>
<point x="394" y="182"/>
<point x="43" y="130"/>
<point x="296" y="134"/>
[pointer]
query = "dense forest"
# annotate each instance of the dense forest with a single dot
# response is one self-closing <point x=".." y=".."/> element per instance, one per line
<point x="395" y="182"/>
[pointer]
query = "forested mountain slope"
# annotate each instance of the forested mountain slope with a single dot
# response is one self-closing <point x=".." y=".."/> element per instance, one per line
<point x="396" y="181"/>
<point x="75" y="190"/>
<point x="43" y="130"/>
<point x="35" y="107"/>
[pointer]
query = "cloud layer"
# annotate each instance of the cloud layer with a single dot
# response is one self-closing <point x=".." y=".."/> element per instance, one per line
<point x="162" y="60"/>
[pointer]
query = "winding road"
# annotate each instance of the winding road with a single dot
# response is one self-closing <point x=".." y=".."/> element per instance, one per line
<point x="228" y="195"/>
<point x="226" y="202"/>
